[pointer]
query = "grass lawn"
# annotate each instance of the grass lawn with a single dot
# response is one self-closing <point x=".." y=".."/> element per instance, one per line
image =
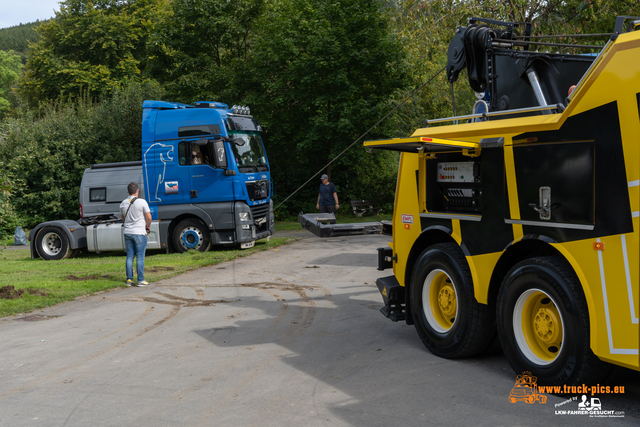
<point x="36" y="283"/>
<point x="46" y="283"/>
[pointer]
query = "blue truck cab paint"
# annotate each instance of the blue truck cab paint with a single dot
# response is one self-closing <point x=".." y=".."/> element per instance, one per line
<point x="204" y="173"/>
<point x="212" y="158"/>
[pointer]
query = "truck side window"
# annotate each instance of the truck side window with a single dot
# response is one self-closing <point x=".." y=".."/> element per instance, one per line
<point x="98" y="194"/>
<point x="191" y="154"/>
<point x="197" y="157"/>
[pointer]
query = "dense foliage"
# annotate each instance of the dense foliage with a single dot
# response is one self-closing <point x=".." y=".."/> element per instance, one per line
<point x="50" y="152"/>
<point x="316" y="74"/>
<point x="320" y="74"/>
<point x="201" y="44"/>
<point x="90" y="46"/>
<point x="17" y="38"/>
<point x="10" y="69"/>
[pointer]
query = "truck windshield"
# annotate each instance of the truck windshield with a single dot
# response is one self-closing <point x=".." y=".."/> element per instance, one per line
<point x="250" y="157"/>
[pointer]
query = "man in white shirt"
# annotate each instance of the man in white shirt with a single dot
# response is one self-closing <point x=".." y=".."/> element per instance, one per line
<point x="137" y="220"/>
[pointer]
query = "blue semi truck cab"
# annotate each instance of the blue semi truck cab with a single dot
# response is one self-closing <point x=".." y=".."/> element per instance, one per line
<point x="204" y="173"/>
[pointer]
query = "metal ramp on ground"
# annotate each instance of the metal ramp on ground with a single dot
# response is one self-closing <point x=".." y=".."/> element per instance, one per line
<point x="324" y="225"/>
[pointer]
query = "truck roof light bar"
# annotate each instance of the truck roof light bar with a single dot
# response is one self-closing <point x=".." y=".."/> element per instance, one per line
<point x="241" y="110"/>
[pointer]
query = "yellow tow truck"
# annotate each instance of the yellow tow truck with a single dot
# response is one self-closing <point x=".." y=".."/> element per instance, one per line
<point x="518" y="223"/>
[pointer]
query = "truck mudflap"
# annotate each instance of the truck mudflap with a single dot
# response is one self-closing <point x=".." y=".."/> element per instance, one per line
<point x="393" y="297"/>
<point x="324" y="225"/>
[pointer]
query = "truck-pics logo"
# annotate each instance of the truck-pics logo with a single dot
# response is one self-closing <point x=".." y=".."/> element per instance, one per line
<point x="526" y="390"/>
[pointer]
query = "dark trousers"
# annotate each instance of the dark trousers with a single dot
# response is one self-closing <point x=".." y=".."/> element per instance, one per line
<point x="328" y="209"/>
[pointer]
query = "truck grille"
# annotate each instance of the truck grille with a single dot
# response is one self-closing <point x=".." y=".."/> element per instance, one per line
<point x="259" y="211"/>
<point x="258" y="190"/>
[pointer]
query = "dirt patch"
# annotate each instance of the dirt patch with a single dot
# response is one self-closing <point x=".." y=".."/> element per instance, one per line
<point x="10" y="292"/>
<point x="83" y="278"/>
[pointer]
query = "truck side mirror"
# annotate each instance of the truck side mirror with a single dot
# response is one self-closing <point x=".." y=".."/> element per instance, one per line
<point x="220" y="154"/>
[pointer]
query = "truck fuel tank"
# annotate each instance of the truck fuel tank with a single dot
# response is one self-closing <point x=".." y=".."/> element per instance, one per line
<point x="110" y="237"/>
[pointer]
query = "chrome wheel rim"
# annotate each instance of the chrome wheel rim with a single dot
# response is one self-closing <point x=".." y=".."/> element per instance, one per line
<point x="191" y="238"/>
<point x="51" y="244"/>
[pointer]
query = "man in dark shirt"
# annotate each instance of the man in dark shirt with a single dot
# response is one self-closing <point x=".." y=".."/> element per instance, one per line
<point x="327" y="196"/>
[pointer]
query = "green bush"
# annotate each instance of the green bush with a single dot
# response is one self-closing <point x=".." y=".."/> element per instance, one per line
<point x="50" y="150"/>
<point x="8" y="218"/>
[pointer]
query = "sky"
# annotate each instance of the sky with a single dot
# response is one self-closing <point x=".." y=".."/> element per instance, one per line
<point x="16" y="12"/>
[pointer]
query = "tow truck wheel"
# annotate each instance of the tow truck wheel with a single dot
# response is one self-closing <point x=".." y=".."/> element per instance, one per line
<point x="449" y="320"/>
<point x="191" y="235"/>
<point x="53" y="244"/>
<point x="543" y="323"/>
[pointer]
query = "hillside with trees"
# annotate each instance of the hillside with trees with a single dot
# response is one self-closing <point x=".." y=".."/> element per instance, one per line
<point x="316" y="74"/>
<point x="18" y="37"/>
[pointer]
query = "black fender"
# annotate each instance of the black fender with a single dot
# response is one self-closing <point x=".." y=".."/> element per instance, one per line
<point x="76" y="233"/>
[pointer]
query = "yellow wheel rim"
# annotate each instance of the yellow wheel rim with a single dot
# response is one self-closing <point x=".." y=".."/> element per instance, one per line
<point x="440" y="301"/>
<point x="538" y="326"/>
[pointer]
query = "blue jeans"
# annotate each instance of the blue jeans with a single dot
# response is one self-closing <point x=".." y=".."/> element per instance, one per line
<point x="136" y="245"/>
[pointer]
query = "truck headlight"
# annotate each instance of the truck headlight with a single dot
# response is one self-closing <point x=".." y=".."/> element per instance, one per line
<point x="244" y="216"/>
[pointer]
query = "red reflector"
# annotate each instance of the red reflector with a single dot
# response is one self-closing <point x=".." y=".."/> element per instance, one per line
<point x="426" y="139"/>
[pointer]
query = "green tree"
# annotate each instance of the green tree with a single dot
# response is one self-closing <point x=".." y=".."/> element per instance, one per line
<point x="8" y="218"/>
<point x="319" y="75"/>
<point x="50" y="150"/>
<point x="199" y="44"/>
<point x="17" y="38"/>
<point x="91" y="45"/>
<point x="426" y="27"/>
<point x="10" y="69"/>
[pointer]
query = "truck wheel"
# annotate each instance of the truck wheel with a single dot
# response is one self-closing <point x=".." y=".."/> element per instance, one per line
<point x="53" y="244"/>
<point x="449" y="320"/>
<point x="191" y="235"/>
<point x="543" y="322"/>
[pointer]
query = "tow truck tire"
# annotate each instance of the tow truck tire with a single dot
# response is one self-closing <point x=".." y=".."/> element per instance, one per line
<point x="543" y="323"/>
<point x="191" y="235"/>
<point x="53" y="244"/>
<point x="449" y="320"/>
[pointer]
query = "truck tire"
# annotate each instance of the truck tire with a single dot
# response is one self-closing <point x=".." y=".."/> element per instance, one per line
<point x="543" y="323"/>
<point x="191" y="235"/>
<point x="53" y="244"/>
<point x="449" y="320"/>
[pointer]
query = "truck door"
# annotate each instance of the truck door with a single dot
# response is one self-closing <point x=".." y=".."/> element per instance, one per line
<point x="208" y="183"/>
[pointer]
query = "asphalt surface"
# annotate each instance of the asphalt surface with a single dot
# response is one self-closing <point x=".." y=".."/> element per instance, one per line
<point x="292" y="336"/>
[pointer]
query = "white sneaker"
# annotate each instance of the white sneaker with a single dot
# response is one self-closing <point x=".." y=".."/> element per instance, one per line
<point x="143" y="283"/>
